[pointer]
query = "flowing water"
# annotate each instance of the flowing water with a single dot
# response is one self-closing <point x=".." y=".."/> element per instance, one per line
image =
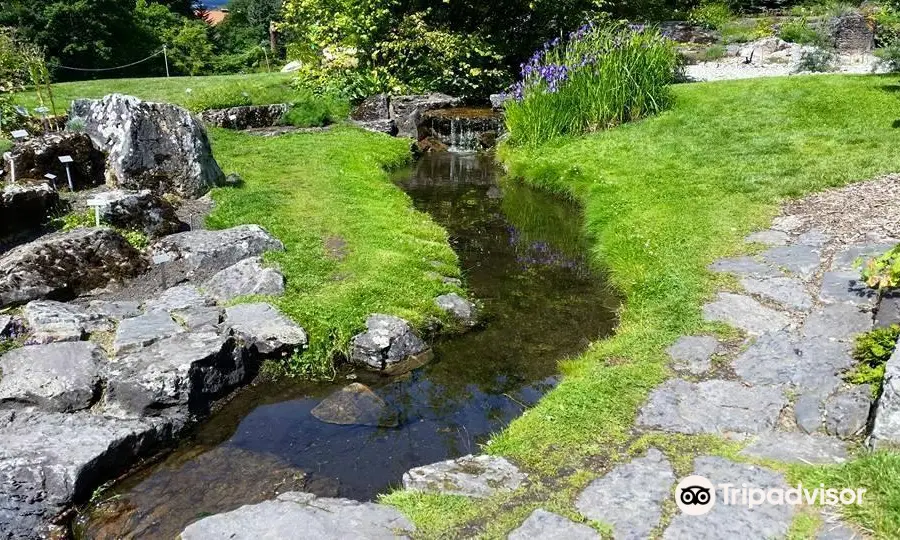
<point x="523" y="255"/>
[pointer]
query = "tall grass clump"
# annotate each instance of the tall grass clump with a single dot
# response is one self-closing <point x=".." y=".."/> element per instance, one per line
<point x="598" y="77"/>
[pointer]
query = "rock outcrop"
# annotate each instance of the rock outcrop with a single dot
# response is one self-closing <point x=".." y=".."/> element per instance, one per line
<point x="139" y="210"/>
<point x="36" y="157"/>
<point x="248" y="117"/>
<point x="852" y="33"/>
<point x="398" y="115"/>
<point x="26" y="207"/>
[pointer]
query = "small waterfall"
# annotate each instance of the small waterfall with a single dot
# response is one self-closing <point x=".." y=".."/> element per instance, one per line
<point x="463" y="136"/>
<point x="462" y="130"/>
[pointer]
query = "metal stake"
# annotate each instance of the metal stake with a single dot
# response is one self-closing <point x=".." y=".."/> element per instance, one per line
<point x="166" y="60"/>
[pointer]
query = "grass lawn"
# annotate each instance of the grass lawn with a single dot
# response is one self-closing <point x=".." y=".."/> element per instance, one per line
<point x="663" y="198"/>
<point x="354" y="243"/>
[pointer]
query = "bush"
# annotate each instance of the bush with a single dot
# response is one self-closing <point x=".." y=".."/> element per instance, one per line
<point x="872" y="350"/>
<point x="889" y="58"/>
<point x="816" y="61"/>
<point x="310" y="110"/>
<point x="713" y="52"/>
<point x="800" y="31"/>
<point x="713" y="15"/>
<point x="599" y="77"/>
<point x="883" y="272"/>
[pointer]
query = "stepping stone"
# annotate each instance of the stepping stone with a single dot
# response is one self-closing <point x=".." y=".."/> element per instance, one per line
<point x="847" y="412"/>
<point x="630" y="497"/>
<point x="814" y="238"/>
<point x="886" y="430"/>
<point x="246" y="278"/>
<point x="59" y="377"/>
<point x="888" y="311"/>
<point x="846" y="259"/>
<point x="265" y="329"/>
<point x="470" y="476"/>
<point x="789" y="292"/>
<point x="846" y="288"/>
<point x="356" y="405"/>
<point x="549" y="526"/>
<point x="139" y="332"/>
<point x="460" y="308"/>
<point x="769" y="237"/>
<point x="808" y="413"/>
<point x="179" y="298"/>
<point x="800" y="260"/>
<point x="293" y="515"/>
<point x="745" y="266"/>
<point x="745" y="313"/>
<point x="837" y="322"/>
<point x="693" y="353"/>
<point x="787" y="223"/>
<point x="715" y="406"/>
<point x="734" y="520"/>
<point x="797" y="448"/>
<point x="774" y="359"/>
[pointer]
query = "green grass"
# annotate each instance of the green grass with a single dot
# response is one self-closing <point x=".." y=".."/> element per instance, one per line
<point x="663" y="198"/>
<point x="354" y="245"/>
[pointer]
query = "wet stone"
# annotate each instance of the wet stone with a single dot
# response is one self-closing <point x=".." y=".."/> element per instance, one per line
<point x="630" y="497"/>
<point x="847" y="412"/>
<point x="846" y="287"/>
<point x="808" y="413"/>
<point x="139" y="332"/>
<point x="693" y="353"/>
<point x="746" y="267"/>
<point x="178" y="298"/>
<point x="470" y="476"/>
<point x="886" y="429"/>
<point x="356" y="404"/>
<point x="745" y="313"/>
<point x="837" y="321"/>
<point x="799" y="260"/>
<point x="789" y="292"/>
<point x="715" y="406"/>
<point x="549" y="526"/>
<point x="797" y="448"/>
<point x="59" y="377"/>
<point x="769" y="238"/>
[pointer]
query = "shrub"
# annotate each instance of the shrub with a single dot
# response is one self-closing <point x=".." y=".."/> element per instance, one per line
<point x="883" y="272"/>
<point x="872" y="350"/>
<point x="816" y="61"/>
<point x="76" y="124"/>
<point x="800" y="31"/>
<point x="712" y="15"/>
<point x="889" y="57"/>
<point x="599" y="77"/>
<point x="713" y="52"/>
<point x="310" y="110"/>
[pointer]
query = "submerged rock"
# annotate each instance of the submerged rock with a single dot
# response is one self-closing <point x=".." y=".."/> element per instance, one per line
<point x="60" y="377"/>
<point x="356" y="404"/>
<point x="471" y="476"/>
<point x="387" y="343"/>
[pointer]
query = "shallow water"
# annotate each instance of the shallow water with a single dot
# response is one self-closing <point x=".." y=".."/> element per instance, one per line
<point x="523" y="255"/>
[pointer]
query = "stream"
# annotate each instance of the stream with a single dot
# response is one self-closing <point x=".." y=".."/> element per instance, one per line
<point x="523" y="255"/>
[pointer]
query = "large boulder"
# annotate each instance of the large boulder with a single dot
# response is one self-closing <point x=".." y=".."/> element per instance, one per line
<point x="248" y="117"/>
<point x="138" y="210"/>
<point x="65" y="264"/>
<point x="407" y="111"/>
<point x="25" y="207"/>
<point x="374" y="114"/>
<point x="388" y="344"/>
<point x="36" y="157"/>
<point x="886" y="429"/>
<point x="154" y="146"/>
<point x="852" y="33"/>
<point x="60" y="377"/>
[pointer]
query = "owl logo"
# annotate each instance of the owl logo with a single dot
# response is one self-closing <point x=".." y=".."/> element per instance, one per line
<point x="695" y="495"/>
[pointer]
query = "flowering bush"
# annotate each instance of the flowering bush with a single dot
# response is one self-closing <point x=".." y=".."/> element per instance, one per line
<point x="598" y="77"/>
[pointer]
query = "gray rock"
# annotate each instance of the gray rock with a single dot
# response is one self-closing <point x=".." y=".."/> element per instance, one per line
<point x="407" y="111"/>
<point x="52" y="322"/>
<point x="549" y="526"/>
<point x="888" y="311"/>
<point x="38" y="156"/>
<point x="693" y="353"/>
<point x="155" y="146"/>
<point x="630" y="497"/>
<point x="200" y="253"/>
<point x="886" y="428"/>
<point x="458" y="307"/>
<point x="808" y="412"/>
<point x="5" y="321"/>
<point x="837" y="321"/>
<point x="265" y="330"/>
<point x="498" y="101"/>
<point x="775" y="359"/>
<point x="800" y="260"/>
<point x="246" y="117"/>
<point x="377" y="107"/>
<point x="292" y="66"/>
<point x="682" y="32"/>
<point x="715" y="406"/>
<point x="745" y="267"/>
<point x="179" y="298"/>
<point x="787" y="291"/>
<point x="66" y="263"/>
<point x="814" y="238"/>
<point x="138" y="210"/>
<point x="60" y="377"/>
<point x="387" y="342"/>
<point x="847" y="413"/>
<point x="846" y="287"/>
<point x="139" y="332"/>
<point x="769" y="238"/>
<point x="852" y="33"/>
<point x="788" y="223"/>
<point x="797" y="448"/>
<point x="846" y="259"/>
<point x="26" y="207"/>
<point x="470" y="476"/>
<point x="356" y="404"/>
<point x="386" y="127"/>
<point x="745" y="313"/>
<point x="248" y="277"/>
<point x="114" y="311"/>
<point x="205" y="319"/>
<point x="734" y="520"/>
<point x="293" y="514"/>
<point x="834" y="529"/>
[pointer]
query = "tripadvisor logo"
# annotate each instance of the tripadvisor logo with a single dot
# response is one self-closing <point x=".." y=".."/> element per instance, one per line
<point x="696" y="495"/>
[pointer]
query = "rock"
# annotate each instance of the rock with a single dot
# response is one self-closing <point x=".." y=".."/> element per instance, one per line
<point x="114" y="311"/>
<point x="26" y="207"/>
<point x="356" y="404"/>
<point x="715" y="406"/>
<point x="787" y="291"/>
<point x="745" y="313"/>
<point x="387" y="342"/>
<point x="52" y="322"/>
<point x="201" y="253"/>
<point x="201" y="318"/>
<point x="38" y="156"/>
<point x="498" y="101"/>
<point x="60" y="377"/>
<point x="847" y="413"/>
<point x="50" y="461"/>
<point x="837" y="321"/>
<point x="834" y="529"/>
<point x="246" y="278"/>
<point x="693" y="353"/>
<point x="407" y="111"/>
<point x="788" y="223"/>
<point x="888" y="311"/>
<point x="139" y="332"/>
<point x="683" y="32"/>
<point x="470" y="476"/>
<point x="846" y="287"/>
<point x="5" y="321"/>
<point x="775" y="359"/>
<point x="373" y="108"/>
<point x="247" y="117"/>
<point x="797" y="448"/>
<point x="265" y="330"/>
<point x="769" y="238"/>
<point x="292" y="512"/>
<point x="155" y="146"/>
<point x="179" y="298"/>
<point x="734" y="520"/>
<point x="807" y="413"/>
<point x="139" y="211"/>
<point x="745" y="267"/>
<point x="762" y="48"/>
<point x="630" y="497"/>
<point x="549" y="526"/>
<point x="886" y="430"/>
<point x="846" y="259"/>
<point x="814" y="238"/>
<point x="800" y="260"/>
<point x="387" y="127"/>
<point x="460" y="308"/>
<point x="66" y="264"/>
<point x="186" y="371"/>
<point x="461" y="129"/>
<point x="292" y="66"/>
<point x="852" y="33"/>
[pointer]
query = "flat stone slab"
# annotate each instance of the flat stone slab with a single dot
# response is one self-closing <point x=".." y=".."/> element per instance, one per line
<point x="847" y="412"/>
<point x="837" y="321"/>
<point x="745" y="313"/>
<point x="797" y="448"/>
<point x="886" y="429"/>
<point x="800" y="260"/>
<point x="808" y="413"/>
<point x="888" y="311"/>
<point x="204" y="319"/>
<point x="138" y="332"/>
<point x="471" y="476"/>
<point x="549" y="526"/>
<point x="356" y="404"/>
<point x="768" y="237"/>
<point x="693" y="353"/>
<point x="630" y="497"/>
<point x="52" y="322"/>
<point x="814" y="238"/>
<point x="775" y="359"/>
<point x="734" y="521"/>
<point x="846" y="259"/>
<point x="265" y="329"/>
<point x="846" y="287"/>
<point x="746" y="267"/>
<point x="834" y="529"/>
<point x="787" y="223"/>
<point x="787" y="291"/>
<point x="115" y="311"/>
<point x="179" y="298"/>
<point x="246" y="278"/>
<point x="715" y="406"/>
<point x="58" y="377"/>
<point x="294" y="515"/>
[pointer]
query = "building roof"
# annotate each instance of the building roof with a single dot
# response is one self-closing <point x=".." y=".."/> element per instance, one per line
<point x="216" y="16"/>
